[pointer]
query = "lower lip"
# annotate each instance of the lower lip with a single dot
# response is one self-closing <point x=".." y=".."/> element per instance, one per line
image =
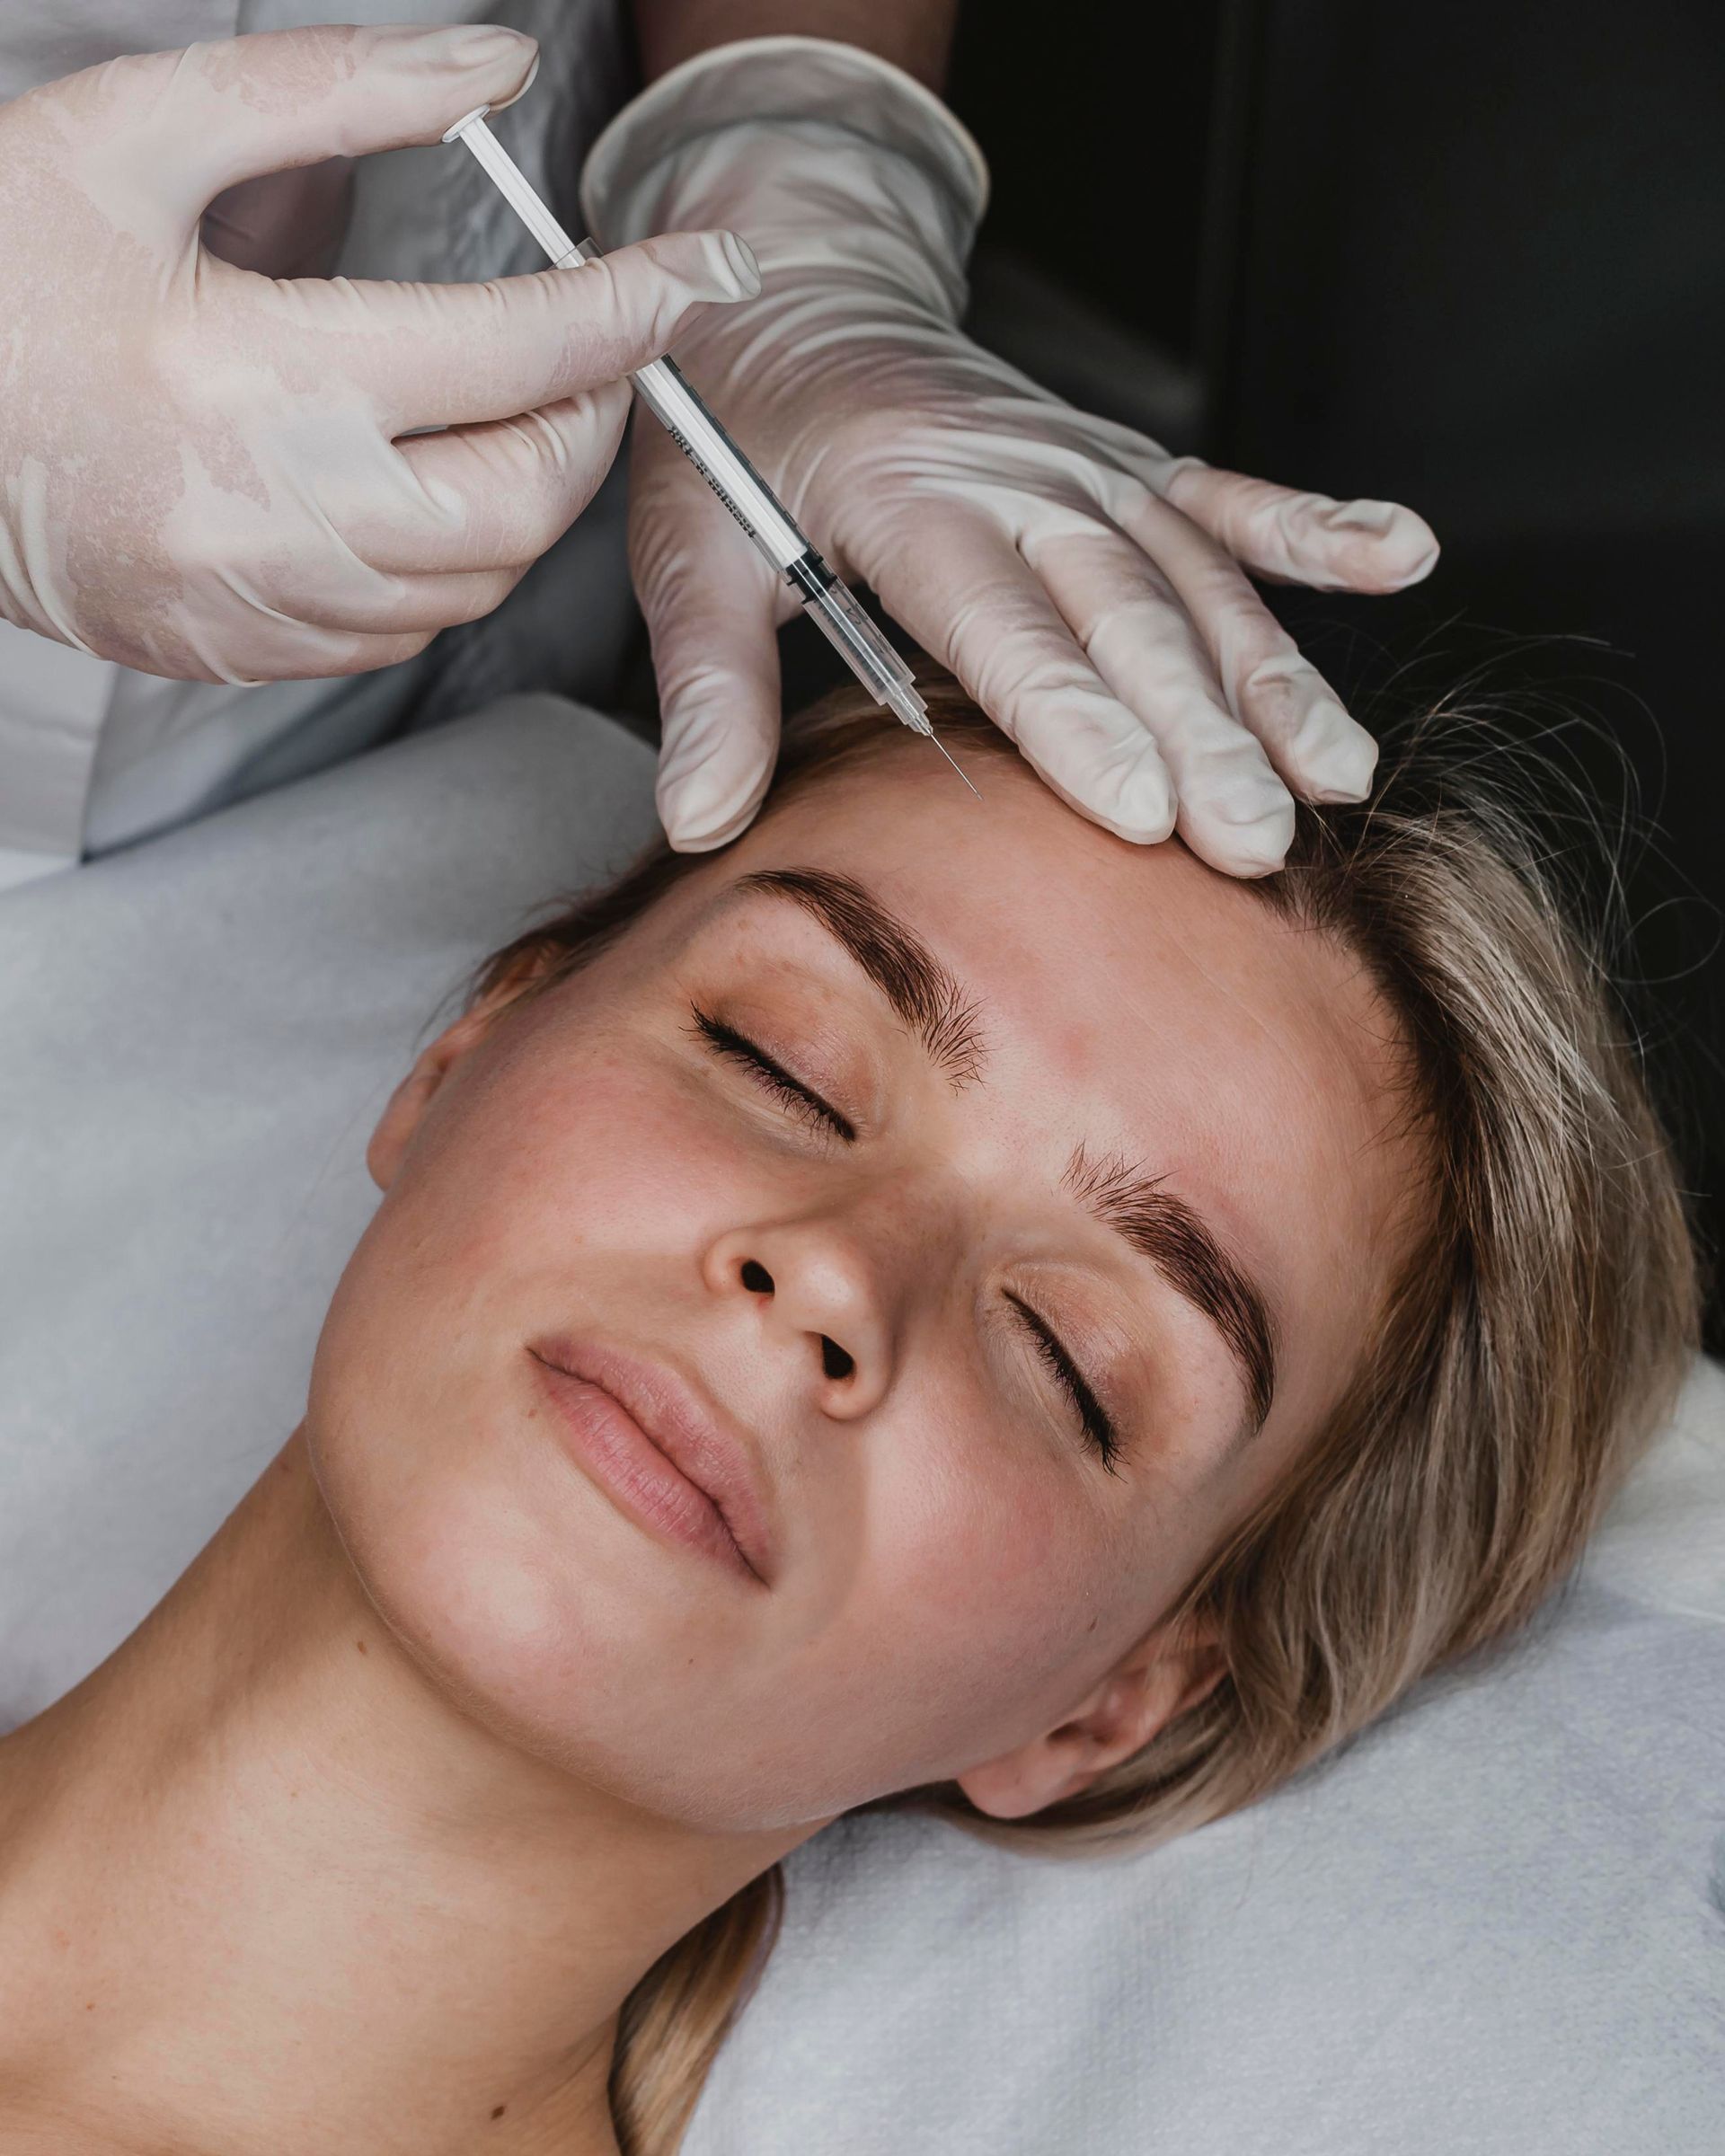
<point x="613" y="1447"/>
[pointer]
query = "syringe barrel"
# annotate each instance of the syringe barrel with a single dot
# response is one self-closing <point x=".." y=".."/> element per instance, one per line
<point x="665" y="393"/>
<point x="833" y="606"/>
<point x="674" y="402"/>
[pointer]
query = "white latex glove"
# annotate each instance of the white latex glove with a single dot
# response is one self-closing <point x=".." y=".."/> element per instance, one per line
<point x="1085" y="587"/>
<point x="200" y="468"/>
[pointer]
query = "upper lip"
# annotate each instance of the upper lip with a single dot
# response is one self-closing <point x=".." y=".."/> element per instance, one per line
<point x="697" y="1440"/>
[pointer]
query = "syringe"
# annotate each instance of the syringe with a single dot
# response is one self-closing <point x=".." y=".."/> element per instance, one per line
<point x="661" y="387"/>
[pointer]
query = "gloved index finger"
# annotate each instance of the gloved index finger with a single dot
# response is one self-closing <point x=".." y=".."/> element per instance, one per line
<point x="277" y="99"/>
<point x="448" y="355"/>
<point x="183" y="125"/>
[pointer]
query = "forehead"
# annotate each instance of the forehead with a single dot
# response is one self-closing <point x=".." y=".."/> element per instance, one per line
<point x="1132" y="999"/>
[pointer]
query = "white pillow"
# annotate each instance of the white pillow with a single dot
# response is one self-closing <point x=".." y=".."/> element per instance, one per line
<point x="1497" y="1923"/>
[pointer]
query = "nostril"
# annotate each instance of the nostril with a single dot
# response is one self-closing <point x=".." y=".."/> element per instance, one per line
<point x="757" y="1278"/>
<point x="834" y="1360"/>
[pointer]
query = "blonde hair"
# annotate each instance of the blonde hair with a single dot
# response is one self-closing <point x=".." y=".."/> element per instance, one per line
<point x="1534" y="1343"/>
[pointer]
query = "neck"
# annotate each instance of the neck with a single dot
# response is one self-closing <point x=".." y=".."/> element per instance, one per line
<point x="263" y="1884"/>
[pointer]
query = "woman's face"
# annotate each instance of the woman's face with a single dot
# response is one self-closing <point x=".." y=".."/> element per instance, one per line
<point x="975" y="1178"/>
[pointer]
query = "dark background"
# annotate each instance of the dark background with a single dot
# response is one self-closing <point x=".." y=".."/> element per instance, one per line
<point x="1469" y="257"/>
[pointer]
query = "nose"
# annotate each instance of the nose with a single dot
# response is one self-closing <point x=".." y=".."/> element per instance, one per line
<point x="815" y="1301"/>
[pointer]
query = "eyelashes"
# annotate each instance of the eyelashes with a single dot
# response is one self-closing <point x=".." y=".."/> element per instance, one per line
<point x="785" y="1085"/>
<point x="803" y="1101"/>
<point x="1100" y="1433"/>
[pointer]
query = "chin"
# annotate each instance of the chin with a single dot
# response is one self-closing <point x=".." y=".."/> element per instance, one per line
<point x="532" y="1610"/>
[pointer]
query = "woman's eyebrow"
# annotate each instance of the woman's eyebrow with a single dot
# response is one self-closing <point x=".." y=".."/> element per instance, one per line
<point x="926" y="996"/>
<point x="1175" y="1239"/>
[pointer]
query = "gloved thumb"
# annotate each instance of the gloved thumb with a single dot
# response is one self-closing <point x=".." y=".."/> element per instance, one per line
<point x="225" y="112"/>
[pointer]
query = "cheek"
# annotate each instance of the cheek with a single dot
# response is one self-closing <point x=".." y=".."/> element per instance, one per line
<point x="560" y="1173"/>
<point x="622" y="1149"/>
<point x="967" y="1623"/>
<point x="548" y="1188"/>
<point x="531" y="1169"/>
<point x="579" y="1145"/>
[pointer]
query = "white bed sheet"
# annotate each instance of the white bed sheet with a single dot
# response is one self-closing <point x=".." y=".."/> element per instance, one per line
<point x="1496" y="1924"/>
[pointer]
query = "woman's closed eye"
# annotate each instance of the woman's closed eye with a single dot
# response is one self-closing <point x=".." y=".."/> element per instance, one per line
<point x="773" y="1077"/>
<point x="1099" y="1431"/>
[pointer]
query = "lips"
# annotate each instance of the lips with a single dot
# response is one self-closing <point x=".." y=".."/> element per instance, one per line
<point x="660" y="1447"/>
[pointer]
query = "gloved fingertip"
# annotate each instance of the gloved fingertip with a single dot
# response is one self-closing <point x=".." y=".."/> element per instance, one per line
<point x="501" y="104"/>
<point x="1252" y="849"/>
<point x="1400" y="547"/>
<point x="1344" y="773"/>
<point x="1245" y="827"/>
<point x="485" y="45"/>
<point x="1331" y="757"/>
<point x="1249" y="868"/>
<point x="702" y="806"/>
<point x="1377" y="518"/>
<point x="1425" y="560"/>
<point x="1249" y="800"/>
<point x="682" y="839"/>
<point x="1145" y="809"/>
<point x="696" y="825"/>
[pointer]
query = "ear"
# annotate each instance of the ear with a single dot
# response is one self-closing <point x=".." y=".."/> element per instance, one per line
<point x="1170" y="1670"/>
<point x="526" y="963"/>
<point x="414" y="1095"/>
<point x="417" y="1091"/>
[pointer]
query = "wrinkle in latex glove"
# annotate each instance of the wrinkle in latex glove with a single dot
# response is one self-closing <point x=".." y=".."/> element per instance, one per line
<point x="1092" y="592"/>
<point x="203" y="472"/>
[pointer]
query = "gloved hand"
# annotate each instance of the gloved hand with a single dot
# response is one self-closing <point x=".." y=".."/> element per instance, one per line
<point x="200" y="474"/>
<point x="1086" y="587"/>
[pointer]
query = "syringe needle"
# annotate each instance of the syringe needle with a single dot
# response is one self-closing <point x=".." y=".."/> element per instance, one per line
<point x="957" y="767"/>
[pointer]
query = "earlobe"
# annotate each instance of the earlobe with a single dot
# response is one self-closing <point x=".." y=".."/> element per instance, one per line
<point x="1168" y="1673"/>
